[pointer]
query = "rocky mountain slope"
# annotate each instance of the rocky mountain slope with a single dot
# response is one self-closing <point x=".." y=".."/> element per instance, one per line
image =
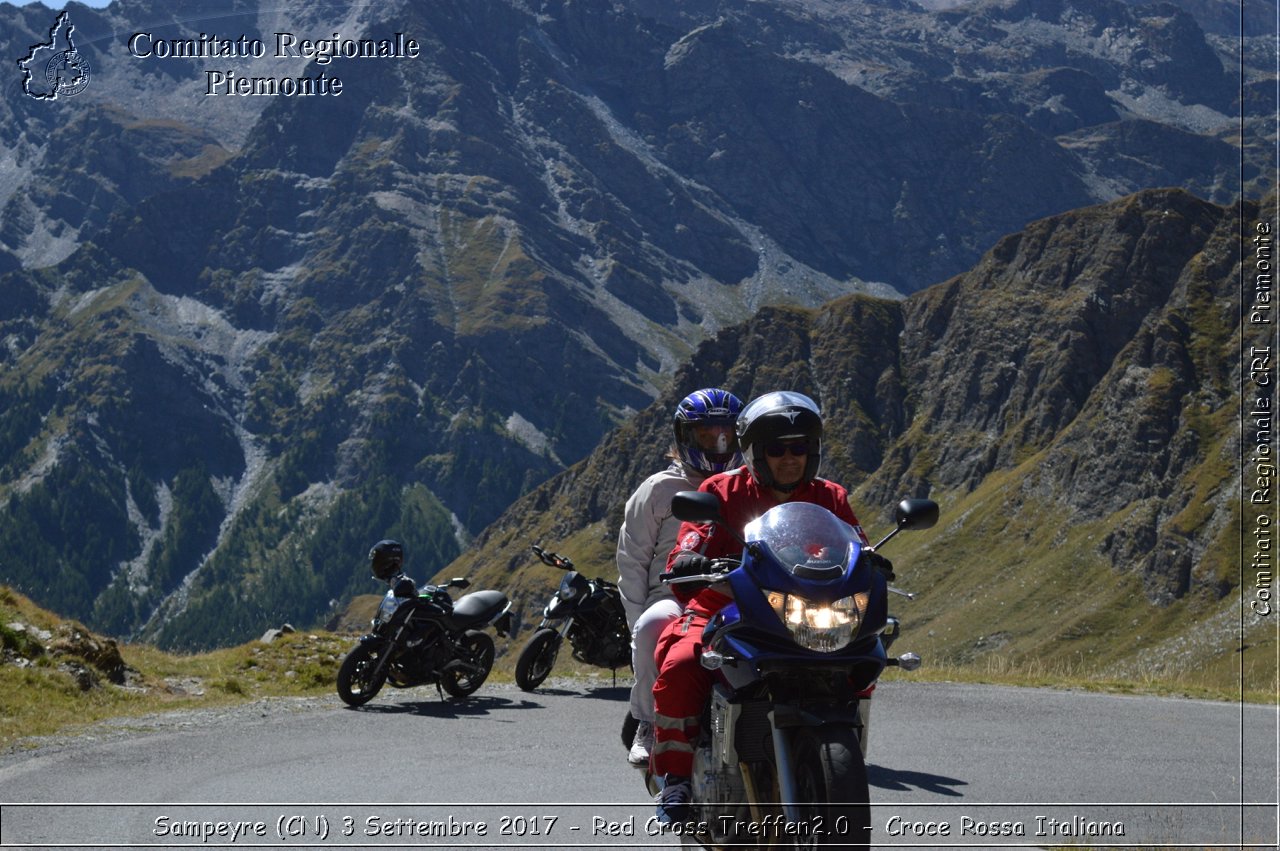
<point x="1073" y="404"/>
<point x="244" y="337"/>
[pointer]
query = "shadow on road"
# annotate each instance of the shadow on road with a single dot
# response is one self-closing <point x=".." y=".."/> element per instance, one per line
<point x="450" y="707"/>
<point x="903" y="781"/>
<point x="622" y="693"/>
<point x="487" y="704"/>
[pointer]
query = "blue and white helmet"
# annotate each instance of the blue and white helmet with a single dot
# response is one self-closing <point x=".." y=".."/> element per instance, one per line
<point x="704" y="427"/>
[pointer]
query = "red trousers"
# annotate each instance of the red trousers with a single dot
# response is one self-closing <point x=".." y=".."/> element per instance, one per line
<point x="679" y="695"/>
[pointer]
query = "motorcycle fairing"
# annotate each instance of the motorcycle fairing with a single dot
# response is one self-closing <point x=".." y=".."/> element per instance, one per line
<point x="761" y="572"/>
<point x="804" y="550"/>
<point x="754" y="652"/>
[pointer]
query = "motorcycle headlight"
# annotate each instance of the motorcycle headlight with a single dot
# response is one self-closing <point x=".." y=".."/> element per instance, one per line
<point x="567" y="589"/>
<point x="822" y="627"/>
<point x="387" y="608"/>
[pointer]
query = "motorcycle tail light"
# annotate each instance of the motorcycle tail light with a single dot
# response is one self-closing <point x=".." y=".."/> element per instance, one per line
<point x="821" y="627"/>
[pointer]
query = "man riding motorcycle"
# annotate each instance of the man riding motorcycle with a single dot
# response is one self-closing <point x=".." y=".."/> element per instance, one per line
<point x="780" y="437"/>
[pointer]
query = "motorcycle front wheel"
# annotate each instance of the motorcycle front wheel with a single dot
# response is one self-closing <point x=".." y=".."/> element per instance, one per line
<point x="537" y="658"/>
<point x="831" y="788"/>
<point x="476" y="648"/>
<point x="359" y="678"/>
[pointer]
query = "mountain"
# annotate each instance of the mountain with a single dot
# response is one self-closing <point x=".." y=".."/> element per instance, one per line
<point x="245" y="337"/>
<point x="1072" y="402"/>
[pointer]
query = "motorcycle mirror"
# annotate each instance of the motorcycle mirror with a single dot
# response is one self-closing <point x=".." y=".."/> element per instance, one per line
<point x="696" y="507"/>
<point x="459" y="582"/>
<point x="702" y="507"/>
<point x="405" y="588"/>
<point x="911" y="514"/>
<point x="916" y="514"/>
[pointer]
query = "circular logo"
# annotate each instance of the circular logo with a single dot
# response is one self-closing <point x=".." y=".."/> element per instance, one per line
<point x="690" y="541"/>
<point x="67" y="73"/>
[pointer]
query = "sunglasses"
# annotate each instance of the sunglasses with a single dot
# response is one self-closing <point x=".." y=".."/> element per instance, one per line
<point x="777" y="450"/>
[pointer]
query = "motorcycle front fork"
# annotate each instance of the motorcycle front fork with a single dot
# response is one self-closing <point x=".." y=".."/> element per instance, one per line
<point x="562" y="627"/>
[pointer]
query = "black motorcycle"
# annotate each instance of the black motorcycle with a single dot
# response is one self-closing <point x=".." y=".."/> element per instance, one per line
<point x="589" y="613"/>
<point x="422" y="636"/>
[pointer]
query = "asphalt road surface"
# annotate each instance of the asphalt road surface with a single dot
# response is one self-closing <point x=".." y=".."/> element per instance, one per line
<point x="950" y="766"/>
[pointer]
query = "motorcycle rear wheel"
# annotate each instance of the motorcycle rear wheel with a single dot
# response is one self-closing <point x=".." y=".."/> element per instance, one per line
<point x="831" y="788"/>
<point x="537" y="658"/>
<point x="359" y="678"/>
<point x="477" y="649"/>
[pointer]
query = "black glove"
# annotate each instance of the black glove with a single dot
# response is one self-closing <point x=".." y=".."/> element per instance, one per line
<point x="689" y="564"/>
<point x="880" y="563"/>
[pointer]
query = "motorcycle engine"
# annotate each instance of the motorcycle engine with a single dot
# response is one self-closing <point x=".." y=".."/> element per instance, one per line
<point x="717" y="789"/>
<point x="424" y="652"/>
<point x="436" y="653"/>
<point x="717" y="779"/>
<point x="616" y="651"/>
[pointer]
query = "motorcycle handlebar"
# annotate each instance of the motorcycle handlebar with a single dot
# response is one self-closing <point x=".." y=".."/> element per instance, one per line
<point x="720" y="567"/>
<point x="557" y="560"/>
<point x="705" y="578"/>
<point x="553" y="559"/>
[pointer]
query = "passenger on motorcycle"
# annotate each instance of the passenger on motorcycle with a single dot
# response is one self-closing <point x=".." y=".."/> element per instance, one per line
<point x="780" y="435"/>
<point x="705" y="443"/>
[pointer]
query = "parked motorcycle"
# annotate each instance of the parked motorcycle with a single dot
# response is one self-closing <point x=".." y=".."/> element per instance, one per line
<point x="586" y="611"/>
<point x="421" y="636"/>
<point x="778" y="754"/>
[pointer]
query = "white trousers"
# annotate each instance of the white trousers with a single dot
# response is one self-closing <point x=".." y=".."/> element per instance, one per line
<point x="644" y="640"/>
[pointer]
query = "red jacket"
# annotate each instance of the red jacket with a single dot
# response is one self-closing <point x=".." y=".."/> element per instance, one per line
<point x="742" y="500"/>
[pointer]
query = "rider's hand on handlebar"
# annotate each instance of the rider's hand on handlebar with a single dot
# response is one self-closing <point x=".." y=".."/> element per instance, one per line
<point x="689" y="564"/>
<point x="880" y="563"/>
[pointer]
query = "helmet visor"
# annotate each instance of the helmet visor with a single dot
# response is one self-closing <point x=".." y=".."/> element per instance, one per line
<point x="717" y="441"/>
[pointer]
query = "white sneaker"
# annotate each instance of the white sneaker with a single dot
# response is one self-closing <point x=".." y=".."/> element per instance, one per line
<point x="641" y="745"/>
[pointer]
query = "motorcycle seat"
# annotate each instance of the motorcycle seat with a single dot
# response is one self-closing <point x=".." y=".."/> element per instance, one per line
<point x="478" y="607"/>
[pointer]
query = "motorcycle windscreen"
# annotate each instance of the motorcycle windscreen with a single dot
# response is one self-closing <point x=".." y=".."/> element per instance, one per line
<point x="806" y="540"/>
<point x="573" y="588"/>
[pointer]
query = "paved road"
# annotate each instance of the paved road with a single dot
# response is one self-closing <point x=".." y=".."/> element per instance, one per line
<point x="508" y="768"/>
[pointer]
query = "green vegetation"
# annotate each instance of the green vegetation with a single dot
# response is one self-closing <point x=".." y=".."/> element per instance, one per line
<point x="305" y="549"/>
<point x="72" y="518"/>
<point x="42" y="695"/>
<point x="1002" y="597"/>
<point x="23" y="418"/>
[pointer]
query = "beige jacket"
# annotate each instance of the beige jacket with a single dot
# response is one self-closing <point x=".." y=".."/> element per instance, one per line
<point x="648" y="535"/>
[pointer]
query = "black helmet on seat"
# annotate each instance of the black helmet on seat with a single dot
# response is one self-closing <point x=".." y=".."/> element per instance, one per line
<point x="386" y="559"/>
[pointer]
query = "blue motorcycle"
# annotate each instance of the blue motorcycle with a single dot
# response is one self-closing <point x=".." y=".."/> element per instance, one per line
<point x="779" y="756"/>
